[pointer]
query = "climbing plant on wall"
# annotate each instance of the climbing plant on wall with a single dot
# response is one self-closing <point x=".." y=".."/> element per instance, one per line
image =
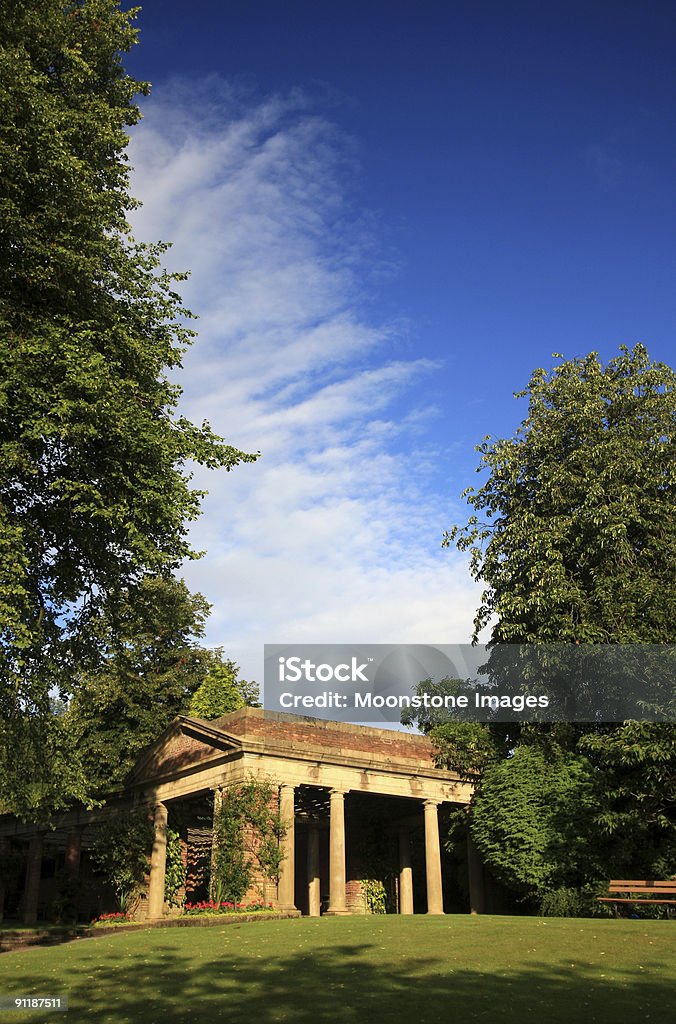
<point x="176" y="870"/>
<point x="121" y="853"/>
<point x="247" y="832"/>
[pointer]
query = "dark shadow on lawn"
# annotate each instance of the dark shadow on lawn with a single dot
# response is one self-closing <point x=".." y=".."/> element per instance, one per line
<point x="343" y="985"/>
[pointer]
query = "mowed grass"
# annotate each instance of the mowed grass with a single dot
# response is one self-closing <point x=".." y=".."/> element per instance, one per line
<point x="455" y="968"/>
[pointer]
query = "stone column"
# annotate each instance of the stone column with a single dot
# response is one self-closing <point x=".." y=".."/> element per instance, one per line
<point x="73" y="850"/>
<point x="218" y="800"/>
<point x="287" y="869"/>
<point x="475" y="877"/>
<point x="405" y="873"/>
<point x="314" y="898"/>
<point x="337" y="902"/>
<point x="31" y="893"/>
<point x="4" y="852"/>
<point x="158" y="864"/>
<point x="435" y="899"/>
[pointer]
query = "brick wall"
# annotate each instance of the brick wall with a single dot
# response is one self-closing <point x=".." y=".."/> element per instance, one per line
<point x="331" y="736"/>
<point x="179" y="752"/>
<point x="354" y="898"/>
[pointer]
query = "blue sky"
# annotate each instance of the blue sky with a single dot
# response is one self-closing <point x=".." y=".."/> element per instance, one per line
<point x="393" y="212"/>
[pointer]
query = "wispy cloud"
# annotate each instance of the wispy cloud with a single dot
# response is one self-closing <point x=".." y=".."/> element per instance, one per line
<point x="334" y="534"/>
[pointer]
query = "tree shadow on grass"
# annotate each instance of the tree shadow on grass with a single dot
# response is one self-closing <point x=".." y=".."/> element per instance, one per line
<point x="344" y="984"/>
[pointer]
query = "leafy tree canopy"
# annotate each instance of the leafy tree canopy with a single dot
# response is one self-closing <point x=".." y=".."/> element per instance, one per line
<point x="636" y="762"/>
<point x="577" y="540"/>
<point x="222" y="691"/>
<point x="150" y="664"/>
<point x="468" y="748"/>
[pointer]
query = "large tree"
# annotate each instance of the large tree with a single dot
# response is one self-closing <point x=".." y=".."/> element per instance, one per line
<point x="94" y="491"/>
<point x="574" y="539"/>
<point x="577" y="538"/>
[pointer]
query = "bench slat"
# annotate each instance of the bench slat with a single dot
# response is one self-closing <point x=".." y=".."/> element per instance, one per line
<point x="633" y="888"/>
<point x="641" y="883"/>
<point x="611" y="899"/>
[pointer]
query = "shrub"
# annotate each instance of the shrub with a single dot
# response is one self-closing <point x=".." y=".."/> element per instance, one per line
<point x="375" y="895"/>
<point x="563" y="902"/>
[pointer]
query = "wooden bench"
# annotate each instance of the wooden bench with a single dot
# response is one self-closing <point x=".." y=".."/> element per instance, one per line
<point x="643" y="890"/>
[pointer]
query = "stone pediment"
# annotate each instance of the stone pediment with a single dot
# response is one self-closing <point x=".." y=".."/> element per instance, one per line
<point x="186" y="744"/>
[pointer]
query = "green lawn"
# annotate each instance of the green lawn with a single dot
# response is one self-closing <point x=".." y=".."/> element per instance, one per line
<point x="449" y="969"/>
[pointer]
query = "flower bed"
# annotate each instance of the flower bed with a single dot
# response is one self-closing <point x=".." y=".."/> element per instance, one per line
<point x="109" y="920"/>
<point x="203" y="909"/>
<point x="226" y="907"/>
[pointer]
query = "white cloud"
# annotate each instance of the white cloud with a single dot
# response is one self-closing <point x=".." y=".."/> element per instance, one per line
<point x="333" y="535"/>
